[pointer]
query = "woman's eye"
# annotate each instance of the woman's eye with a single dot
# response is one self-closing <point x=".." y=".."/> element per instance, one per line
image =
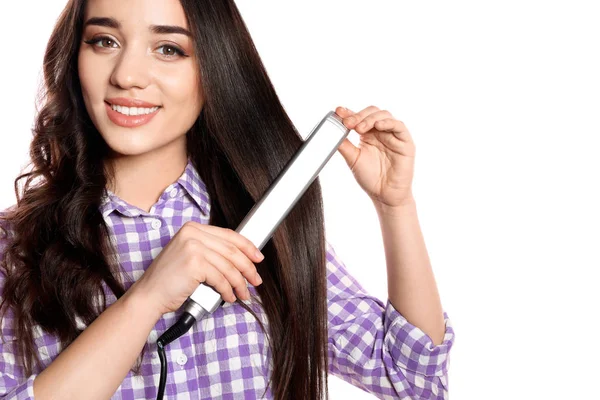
<point x="101" y="39"/>
<point x="172" y="50"/>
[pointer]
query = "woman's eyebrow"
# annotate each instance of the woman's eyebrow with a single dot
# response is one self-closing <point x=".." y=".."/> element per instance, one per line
<point x="158" y="29"/>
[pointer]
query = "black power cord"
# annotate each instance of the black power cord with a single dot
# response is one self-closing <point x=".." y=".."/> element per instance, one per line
<point x="182" y="325"/>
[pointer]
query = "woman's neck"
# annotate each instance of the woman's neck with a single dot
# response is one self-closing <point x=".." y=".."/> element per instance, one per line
<point x="140" y="179"/>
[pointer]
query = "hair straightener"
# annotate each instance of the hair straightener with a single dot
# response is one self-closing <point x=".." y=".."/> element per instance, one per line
<point x="262" y="220"/>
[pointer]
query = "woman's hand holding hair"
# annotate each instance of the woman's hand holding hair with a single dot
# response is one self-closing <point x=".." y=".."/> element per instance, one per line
<point x="198" y="253"/>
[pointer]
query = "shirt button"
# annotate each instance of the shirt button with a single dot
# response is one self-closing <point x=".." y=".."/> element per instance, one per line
<point x="173" y="193"/>
<point x="181" y="359"/>
<point x="156" y="224"/>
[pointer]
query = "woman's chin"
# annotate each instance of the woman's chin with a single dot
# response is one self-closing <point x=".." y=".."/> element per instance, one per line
<point x="130" y="147"/>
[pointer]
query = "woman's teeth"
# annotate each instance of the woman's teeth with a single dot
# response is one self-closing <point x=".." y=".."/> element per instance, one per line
<point x="133" y="110"/>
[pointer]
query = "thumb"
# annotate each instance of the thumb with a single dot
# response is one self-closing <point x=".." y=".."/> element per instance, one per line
<point x="350" y="152"/>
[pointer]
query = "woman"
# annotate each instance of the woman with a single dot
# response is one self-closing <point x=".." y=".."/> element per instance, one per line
<point x="159" y="133"/>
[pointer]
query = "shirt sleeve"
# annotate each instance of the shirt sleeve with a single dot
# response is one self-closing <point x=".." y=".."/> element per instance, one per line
<point x="14" y="385"/>
<point x="373" y="347"/>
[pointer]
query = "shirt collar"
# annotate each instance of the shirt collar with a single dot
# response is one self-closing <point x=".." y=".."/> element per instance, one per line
<point x="194" y="185"/>
<point x="190" y="181"/>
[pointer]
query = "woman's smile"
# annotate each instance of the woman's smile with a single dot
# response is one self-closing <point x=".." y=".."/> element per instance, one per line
<point x="130" y="117"/>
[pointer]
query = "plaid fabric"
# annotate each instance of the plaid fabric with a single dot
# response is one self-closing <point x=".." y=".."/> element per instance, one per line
<point x="226" y="355"/>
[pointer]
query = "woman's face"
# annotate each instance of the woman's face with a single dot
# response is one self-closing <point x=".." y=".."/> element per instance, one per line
<point x="135" y="55"/>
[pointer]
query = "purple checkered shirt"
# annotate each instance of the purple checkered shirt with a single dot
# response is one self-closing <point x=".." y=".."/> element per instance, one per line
<point x="226" y="355"/>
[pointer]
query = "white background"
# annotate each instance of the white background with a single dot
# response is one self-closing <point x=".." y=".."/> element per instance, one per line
<point x="502" y="100"/>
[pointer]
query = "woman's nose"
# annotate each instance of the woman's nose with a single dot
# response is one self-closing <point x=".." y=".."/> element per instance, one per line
<point x="132" y="69"/>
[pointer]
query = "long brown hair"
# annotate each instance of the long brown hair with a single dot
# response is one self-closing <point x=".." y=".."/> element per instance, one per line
<point x="58" y="252"/>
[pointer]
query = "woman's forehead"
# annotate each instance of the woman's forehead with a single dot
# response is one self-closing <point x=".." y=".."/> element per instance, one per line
<point x="131" y="14"/>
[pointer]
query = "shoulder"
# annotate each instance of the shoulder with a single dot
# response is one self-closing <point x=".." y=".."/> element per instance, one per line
<point x="339" y="278"/>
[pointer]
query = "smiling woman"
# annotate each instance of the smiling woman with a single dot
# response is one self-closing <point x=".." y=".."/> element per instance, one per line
<point x="160" y="131"/>
<point x="139" y="66"/>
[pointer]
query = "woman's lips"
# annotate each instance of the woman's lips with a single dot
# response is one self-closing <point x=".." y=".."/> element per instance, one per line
<point x="128" y="121"/>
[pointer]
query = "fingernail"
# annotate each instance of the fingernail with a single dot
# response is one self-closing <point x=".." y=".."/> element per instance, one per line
<point x="247" y="294"/>
<point x="258" y="278"/>
<point x="259" y="254"/>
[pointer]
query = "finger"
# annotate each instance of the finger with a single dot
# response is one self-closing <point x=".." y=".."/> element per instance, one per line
<point x="218" y="281"/>
<point x="352" y="120"/>
<point x="236" y="258"/>
<point x="343" y="111"/>
<point x="369" y="121"/>
<point x="232" y="275"/>
<point x="240" y="241"/>
<point x="394" y="126"/>
<point x="395" y="145"/>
